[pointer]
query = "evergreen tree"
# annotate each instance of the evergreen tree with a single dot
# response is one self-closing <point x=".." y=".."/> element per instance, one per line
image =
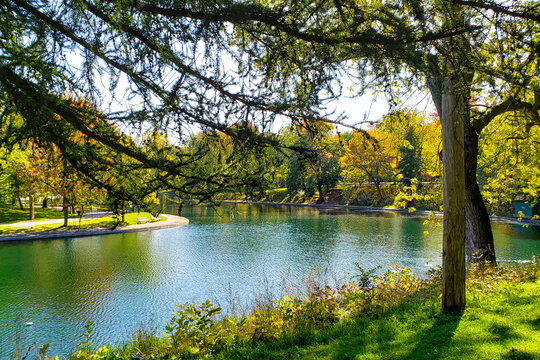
<point x="410" y="159"/>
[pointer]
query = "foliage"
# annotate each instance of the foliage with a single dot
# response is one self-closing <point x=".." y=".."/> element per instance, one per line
<point x="194" y="330"/>
<point x="417" y="195"/>
<point x="317" y="165"/>
<point x="410" y="162"/>
<point x="85" y="350"/>
<point x="416" y="141"/>
<point x="365" y="278"/>
<point x="368" y="159"/>
<point x="508" y="163"/>
<point x="397" y="314"/>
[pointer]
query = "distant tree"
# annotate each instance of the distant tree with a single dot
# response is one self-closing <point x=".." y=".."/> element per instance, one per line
<point x="317" y="165"/>
<point x="368" y="159"/>
<point x="406" y="128"/>
<point x="508" y="162"/>
<point x="410" y="162"/>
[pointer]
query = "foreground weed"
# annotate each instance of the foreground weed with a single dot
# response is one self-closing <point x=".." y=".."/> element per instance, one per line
<point x="397" y="316"/>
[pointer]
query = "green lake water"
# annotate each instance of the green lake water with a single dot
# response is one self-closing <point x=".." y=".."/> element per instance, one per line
<point x="231" y="256"/>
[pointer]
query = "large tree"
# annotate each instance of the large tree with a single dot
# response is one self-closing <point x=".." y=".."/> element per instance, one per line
<point x="226" y="66"/>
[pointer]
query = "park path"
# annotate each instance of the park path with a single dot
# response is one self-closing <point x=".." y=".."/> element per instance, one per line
<point x="171" y="221"/>
<point x="31" y="223"/>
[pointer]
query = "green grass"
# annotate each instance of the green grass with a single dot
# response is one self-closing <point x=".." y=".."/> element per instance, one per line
<point x="497" y="325"/>
<point x="11" y="214"/>
<point x="494" y="326"/>
<point x="397" y="317"/>
<point x="107" y="222"/>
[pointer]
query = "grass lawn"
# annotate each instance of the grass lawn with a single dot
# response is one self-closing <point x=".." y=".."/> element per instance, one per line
<point x="11" y="214"/>
<point x="500" y="325"/>
<point x="503" y="324"/>
<point x="107" y="222"/>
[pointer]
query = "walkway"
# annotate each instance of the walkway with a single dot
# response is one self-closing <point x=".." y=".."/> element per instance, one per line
<point x="31" y="224"/>
<point x="172" y="221"/>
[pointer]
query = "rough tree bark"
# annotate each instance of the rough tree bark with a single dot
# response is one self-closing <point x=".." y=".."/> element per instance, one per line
<point x="479" y="237"/>
<point x="453" y="106"/>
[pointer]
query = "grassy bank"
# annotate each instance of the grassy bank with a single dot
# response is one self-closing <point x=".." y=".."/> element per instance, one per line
<point x="393" y="316"/>
<point x="11" y="214"/>
<point x="74" y="224"/>
<point x="426" y="196"/>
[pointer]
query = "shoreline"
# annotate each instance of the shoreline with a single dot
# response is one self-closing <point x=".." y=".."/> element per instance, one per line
<point x="172" y="221"/>
<point x="338" y="207"/>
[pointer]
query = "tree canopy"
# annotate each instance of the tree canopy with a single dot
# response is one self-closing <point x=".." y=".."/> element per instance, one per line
<point x="235" y="67"/>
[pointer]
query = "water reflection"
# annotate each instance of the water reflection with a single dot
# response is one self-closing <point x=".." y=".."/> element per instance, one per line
<point x="120" y="281"/>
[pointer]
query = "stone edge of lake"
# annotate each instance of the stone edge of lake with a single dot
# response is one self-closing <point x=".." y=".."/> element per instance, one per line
<point x="172" y="221"/>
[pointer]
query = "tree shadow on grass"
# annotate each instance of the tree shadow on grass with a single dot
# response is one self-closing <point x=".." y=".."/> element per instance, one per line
<point x="435" y="340"/>
<point x="515" y="354"/>
<point x="535" y="323"/>
<point x="503" y="332"/>
<point x="430" y="343"/>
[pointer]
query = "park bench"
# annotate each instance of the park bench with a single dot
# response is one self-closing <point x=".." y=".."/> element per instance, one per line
<point x="142" y="219"/>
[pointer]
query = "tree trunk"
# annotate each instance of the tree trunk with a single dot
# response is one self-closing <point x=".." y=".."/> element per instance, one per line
<point x="320" y="200"/>
<point x="20" y="203"/>
<point x="44" y="204"/>
<point x="65" y="209"/>
<point x="377" y="184"/>
<point x="180" y="206"/>
<point x="378" y="187"/>
<point x="479" y="237"/>
<point x="32" y="212"/>
<point x="454" y="107"/>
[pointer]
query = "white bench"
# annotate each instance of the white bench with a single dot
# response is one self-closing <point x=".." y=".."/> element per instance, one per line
<point x="142" y="219"/>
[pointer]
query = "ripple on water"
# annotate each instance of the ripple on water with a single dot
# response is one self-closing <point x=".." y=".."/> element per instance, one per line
<point x="121" y="281"/>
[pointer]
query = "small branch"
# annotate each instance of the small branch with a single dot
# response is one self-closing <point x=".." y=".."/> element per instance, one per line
<point x="526" y="14"/>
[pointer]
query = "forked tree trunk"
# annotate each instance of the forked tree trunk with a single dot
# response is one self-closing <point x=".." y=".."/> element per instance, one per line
<point x="454" y="107"/>
<point x="479" y="237"/>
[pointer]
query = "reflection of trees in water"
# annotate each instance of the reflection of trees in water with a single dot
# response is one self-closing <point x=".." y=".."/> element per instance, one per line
<point x="61" y="284"/>
<point x="68" y="281"/>
<point x="514" y="242"/>
<point x="78" y="273"/>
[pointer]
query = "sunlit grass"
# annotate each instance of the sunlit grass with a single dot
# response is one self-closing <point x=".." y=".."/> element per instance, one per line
<point x="74" y="224"/>
<point x="398" y="316"/>
<point x="11" y="214"/>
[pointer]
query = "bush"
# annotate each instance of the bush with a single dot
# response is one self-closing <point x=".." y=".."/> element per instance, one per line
<point x="194" y="331"/>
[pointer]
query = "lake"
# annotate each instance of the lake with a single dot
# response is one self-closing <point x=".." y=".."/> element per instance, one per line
<point x="232" y="256"/>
